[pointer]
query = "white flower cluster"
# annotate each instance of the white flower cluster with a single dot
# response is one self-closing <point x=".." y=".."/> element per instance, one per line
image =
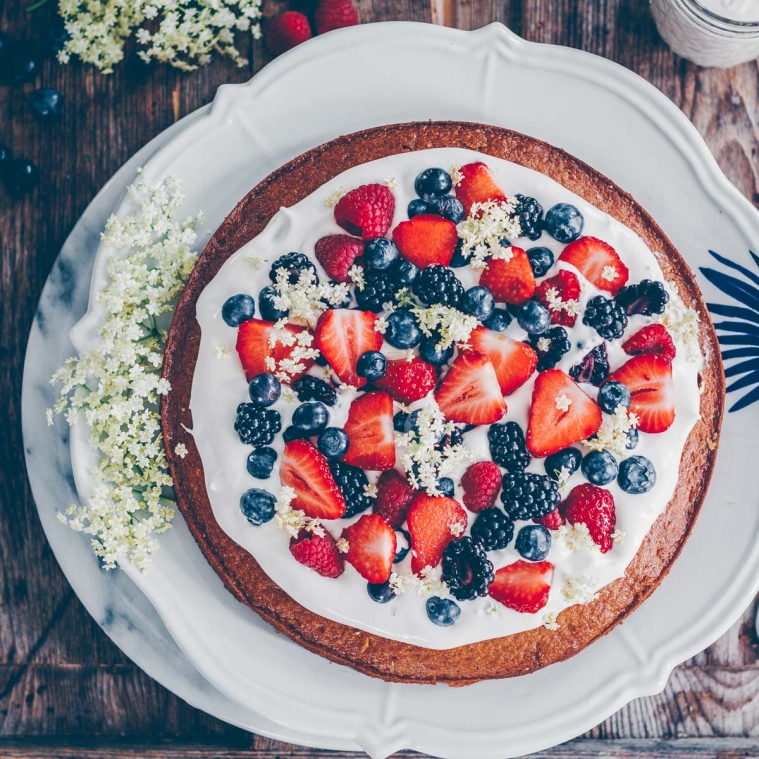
<point x="612" y="434"/>
<point x="291" y="520"/>
<point x="425" y="584"/>
<point x="332" y="199"/>
<point x="487" y="230"/>
<point x="555" y="303"/>
<point x="183" y="33"/>
<point x="305" y="299"/>
<point x="117" y="386"/>
<point x="682" y="323"/>
<point x="575" y="536"/>
<point x="549" y="621"/>
<point x="301" y="351"/>
<point x="619" y="536"/>
<point x="579" y="590"/>
<point x="456" y="175"/>
<point x="452" y="325"/>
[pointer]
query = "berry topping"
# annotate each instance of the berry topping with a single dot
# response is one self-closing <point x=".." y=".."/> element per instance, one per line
<point x="651" y="339"/>
<point x="402" y="329"/>
<point x="254" y="347"/>
<point x="257" y="506"/>
<point x="417" y="207"/>
<point x="481" y="483"/>
<point x="600" y="467"/>
<point x="335" y="14"/>
<point x="527" y="495"/>
<point x="46" y="103"/>
<point x="426" y="239"/>
<point x="613" y="394"/>
<point x="264" y="389"/>
<point x="381" y="592"/>
<point x="552" y="521"/>
<point x="636" y="475"/>
<point x="380" y="254"/>
<point x="569" y="460"/>
<point x="466" y="569"/>
<point x="446" y="487"/>
<point x="269" y="311"/>
<point x="507" y="447"/>
<point x="493" y="529"/>
<point x="286" y="32"/>
<point x="593" y="507"/>
<point x="530" y="215"/>
<point x="293" y="264"/>
<point x="523" y="586"/>
<point x="377" y="290"/>
<point x="255" y="425"/>
<point x="598" y="262"/>
<point x="336" y="253"/>
<point x="407" y="381"/>
<point x="402" y="545"/>
<point x="646" y="298"/>
<point x="533" y="542"/>
<point x="317" y="552"/>
<point x="429" y="351"/>
<point x="513" y="361"/>
<point x="510" y="281"/>
<point x="477" y="302"/>
<point x="404" y="273"/>
<point x="432" y="182"/>
<point x="561" y="296"/>
<point x="311" y="388"/>
<point x="594" y="367"/>
<point x="606" y="316"/>
<point x="438" y="285"/>
<point x="433" y="521"/>
<point x="564" y="222"/>
<point x="446" y="206"/>
<point x="371" y="365"/>
<point x="541" y="260"/>
<point x="238" y="309"/>
<point x="332" y="442"/>
<point x="470" y="392"/>
<point x="499" y="320"/>
<point x="632" y="439"/>
<point x="371" y="547"/>
<point x="366" y="211"/>
<point x="352" y="483"/>
<point x="292" y="433"/>
<point x="370" y="430"/>
<point x="477" y="186"/>
<point x="394" y="497"/>
<point x="442" y="611"/>
<point x="307" y="472"/>
<point x="550" y="346"/>
<point x="311" y="417"/>
<point x="261" y="463"/>
<point x="533" y="317"/>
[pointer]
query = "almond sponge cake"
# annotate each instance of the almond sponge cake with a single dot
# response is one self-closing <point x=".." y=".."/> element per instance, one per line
<point x="450" y="400"/>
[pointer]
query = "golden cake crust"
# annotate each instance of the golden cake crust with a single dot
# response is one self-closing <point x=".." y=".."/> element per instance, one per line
<point x="376" y="656"/>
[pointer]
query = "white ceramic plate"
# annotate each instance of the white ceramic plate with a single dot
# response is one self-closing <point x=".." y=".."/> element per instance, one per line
<point x="624" y="127"/>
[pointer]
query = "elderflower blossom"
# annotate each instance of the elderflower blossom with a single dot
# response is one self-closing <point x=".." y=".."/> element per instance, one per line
<point x="452" y="325"/>
<point x="575" y="536"/>
<point x="456" y="175"/>
<point x="612" y="434"/>
<point x="305" y="299"/>
<point x="494" y="609"/>
<point x="487" y="230"/>
<point x="291" y="520"/>
<point x="117" y="386"/>
<point x="299" y="354"/>
<point x="619" y="537"/>
<point x="682" y="323"/>
<point x="549" y="621"/>
<point x="332" y="199"/>
<point x="425" y="584"/>
<point x="555" y="303"/>
<point x="579" y="590"/>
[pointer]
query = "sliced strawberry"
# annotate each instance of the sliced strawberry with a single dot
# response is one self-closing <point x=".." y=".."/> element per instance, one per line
<point x="336" y="253"/>
<point x="513" y="361"/>
<point x="370" y="432"/>
<point x="523" y="586"/>
<point x="342" y="335"/>
<point x="318" y="552"/>
<point x="408" y="381"/>
<point x="371" y="547"/>
<point x="426" y="239"/>
<point x="481" y="483"/>
<point x="651" y="339"/>
<point x="510" y="281"/>
<point x="307" y="472"/>
<point x="433" y="522"/>
<point x="254" y="347"/>
<point x="470" y="392"/>
<point x="561" y="296"/>
<point x="649" y="379"/>
<point x="598" y="262"/>
<point x="551" y="428"/>
<point x="477" y="186"/>
<point x="594" y="507"/>
<point x="394" y="497"/>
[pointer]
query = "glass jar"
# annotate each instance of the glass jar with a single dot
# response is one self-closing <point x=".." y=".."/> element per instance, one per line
<point x="719" y="33"/>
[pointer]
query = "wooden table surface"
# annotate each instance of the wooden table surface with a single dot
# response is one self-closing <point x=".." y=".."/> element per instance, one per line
<point x="65" y="689"/>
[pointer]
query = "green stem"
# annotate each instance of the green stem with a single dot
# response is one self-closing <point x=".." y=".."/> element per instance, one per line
<point x="34" y="6"/>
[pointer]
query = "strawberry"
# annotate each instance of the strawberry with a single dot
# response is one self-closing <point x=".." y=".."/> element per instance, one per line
<point x="523" y="586"/>
<point x="550" y="429"/>
<point x="370" y="431"/>
<point x="510" y="281"/>
<point x="481" y="483"/>
<point x="408" y="381"/>
<point x="335" y="14"/>
<point x="307" y="472"/>
<point x="514" y="362"/>
<point x="594" y="507"/>
<point x="342" y="335"/>
<point x="598" y="262"/>
<point x="336" y="253"/>
<point x="556" y="291"/>
<point x="649" y="379"/>
<point x="286" y="31"/>
<point x="552" y="521"/>
<point x="318" y="552"/>
<point x="394" y="497"/>
<point x="254" y="348"/>
<point x="470" y="392"/>
<point x="371" y="547"/>
<point x="426" y="239"/>
<point x="433" y="523"/>
<point x="366" y="211"/>
<point x="477" y="186"/>
<point x="651" y="339"/>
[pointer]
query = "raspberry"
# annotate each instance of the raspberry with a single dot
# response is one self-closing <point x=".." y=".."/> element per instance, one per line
<point x="287" y="31"/>
<point x="552" y="521"/>
<point x="481" y="483"/>
<point x="366" y="211"/>
<point x="407" y="381"/>
<point x="336" y="253"/>
<point x="335" y="14"/>
<point x="318" y="553"/>
<point x="394" y="497"/>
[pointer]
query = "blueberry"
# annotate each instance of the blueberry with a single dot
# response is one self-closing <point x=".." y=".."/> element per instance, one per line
<point x="443" y="611"/>
<point x="432" y="182"/>
<point x="417" y="206"/>
<point x="541" y="260"/>
<point x="402" y="545"/>
<point x="381" y="592"/>
<point x="399" y="421"/>
<point x="564" y="222"/>
<point x="402" y="330"/>
<point x="266" y="306"/>
<point x="46" y="102"/>
<point x="568" y="459"/>
<point x="238" y="309"/>
<point x="447" y="206"/>
<point x="21" y="66"/>
<point x="411" y="422"/>
<point x="380" y="253"/>
<point x="533" y="317"/>
<point x="600" y="467"/>
<point x="5" y="156"/>
<point x="333" y="442"/>
<point x="499" y="320"/>
<point x="404" y="272"/>
<point x="445" y="486"/>
<point x="264" y="389"/>
<point x="261" y="462"/>
<point x="632" y="439"/>
<point x="636" y="475"/>
<point x="459" y="260"/>
<point x="613" y="394"/>
<point x="428" y="350"/>
<point x="311" y="417"/>
<point x="20" y="176"/>
<point x="533" y="542"/>
<point x="293" y="433"/>
<point x="52" y="39"/>
<point x="478" y="302"/>
<point x="257" y="506"/>
<point x="371" y="365"/>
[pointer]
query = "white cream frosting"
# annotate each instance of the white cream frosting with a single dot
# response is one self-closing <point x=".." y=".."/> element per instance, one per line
<point x="219" y="385"/>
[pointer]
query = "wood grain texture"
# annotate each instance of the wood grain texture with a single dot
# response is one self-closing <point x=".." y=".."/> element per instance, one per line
<point x="60" y="678"/>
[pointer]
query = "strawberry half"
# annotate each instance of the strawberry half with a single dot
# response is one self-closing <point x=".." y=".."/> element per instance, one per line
<point x="551" y="428"/>
<point x="523" y="586"/>
<point x="649" y="379"/>
<point x="651" y="339"/>
<point x="336" y="253"/>
<point x="433" y="523"/>
<point x="254" y="348"/>
<point x="598" y="262"/>
<point x="477" y="186"/>
<point x="394" y="497"/>
<point x="470" y="392"/>
<point x="367" y="211"/>
<point x="370" y="431"/>
<point x="371" y="547"/>
<point x="307" y="472"/>
<point x="594" y="507"/>
<point x="513" y="361"/>
<point x="407" y="381"/>
<point x="318" y="552"/>
<point x="426" y="239"/>
<point x="342" y="335"/>
<point x="510" y="281"/>
<point x="554" y="293"/>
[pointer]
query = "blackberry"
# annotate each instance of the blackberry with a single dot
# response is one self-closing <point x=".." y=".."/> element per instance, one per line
<point x="351" y="480"/>
<point x="493" y="529"/>
<point x="257" y="426"/>
<point x="507" y="446"/>
<point x="647" y="298"/>
<point x="378" y="290"/>
<point x="530" y="215"/>
<point x="467" y="569"/>
<point x="550" y="346"/>
<point x="527" y="495"/>
<point x="438" y="284"/>
<point x="311" y="388"/>
<point x="606" y="316"/>
<point x="294" y="263"/>
<point x="455" y="437"/>
<point x="594" y="368"/>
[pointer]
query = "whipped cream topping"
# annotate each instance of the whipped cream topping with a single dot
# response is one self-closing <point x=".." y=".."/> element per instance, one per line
<point x="219" y="385"/>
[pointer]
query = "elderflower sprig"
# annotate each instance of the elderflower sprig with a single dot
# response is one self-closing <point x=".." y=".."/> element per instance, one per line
<point x="452" y="325"/>
<point x="486" y="232"/>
